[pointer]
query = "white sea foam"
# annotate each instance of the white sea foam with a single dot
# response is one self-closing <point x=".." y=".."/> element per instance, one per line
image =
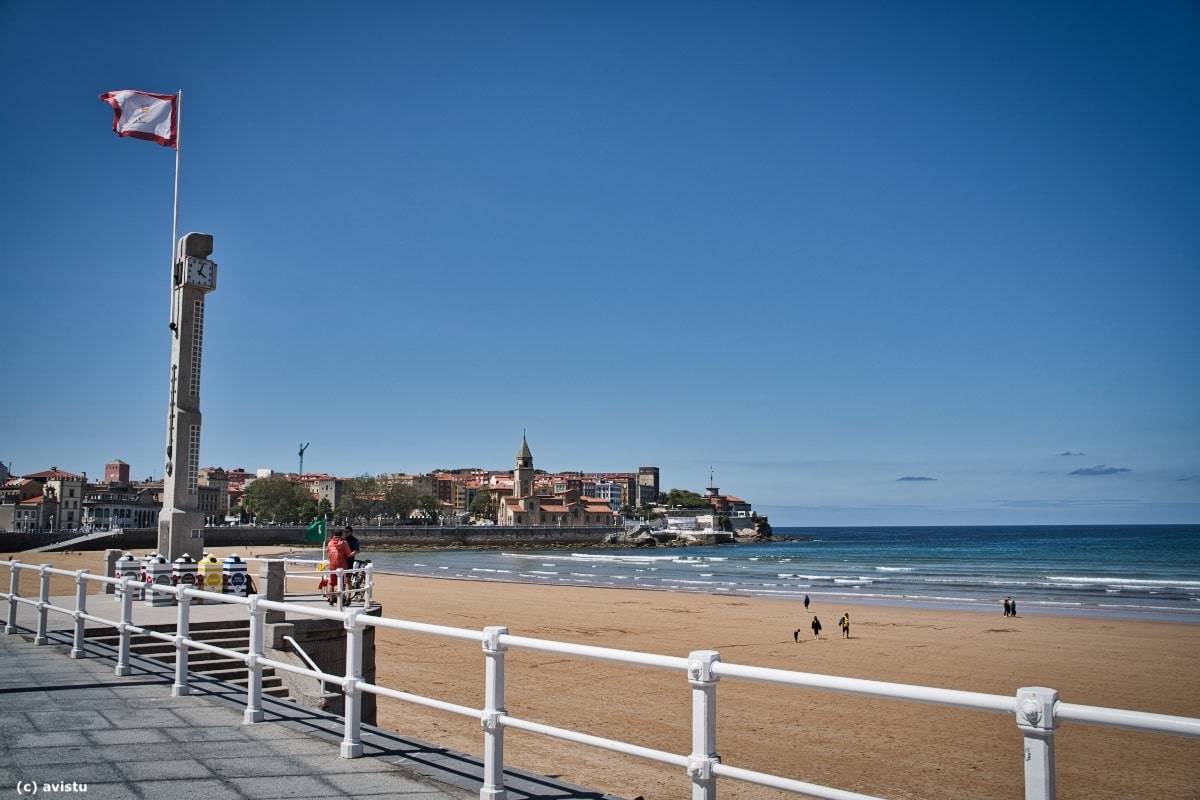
<point x="607" y="557"/>
<point x="1150" y="608"/>
<point x="1122" y="581"/>
<point x="543" y="572"/>
<point x="895" y="569"/>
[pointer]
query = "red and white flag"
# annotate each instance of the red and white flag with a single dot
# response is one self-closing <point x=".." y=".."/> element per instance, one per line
<point x="145" y="115"/>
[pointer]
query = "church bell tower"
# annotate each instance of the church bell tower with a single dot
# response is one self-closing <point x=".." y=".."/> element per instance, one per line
<point x="523" y="474"/>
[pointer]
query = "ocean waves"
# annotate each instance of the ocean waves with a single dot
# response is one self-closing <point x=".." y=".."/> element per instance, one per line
<point x="1127" y="571"/>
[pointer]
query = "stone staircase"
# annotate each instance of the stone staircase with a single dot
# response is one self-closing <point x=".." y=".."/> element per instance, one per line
<point x="232" y="635"/>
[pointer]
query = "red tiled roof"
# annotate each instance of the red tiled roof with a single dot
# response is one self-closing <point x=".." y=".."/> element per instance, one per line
<point x="54" y="473"/>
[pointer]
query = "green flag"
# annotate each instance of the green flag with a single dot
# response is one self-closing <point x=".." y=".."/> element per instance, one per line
<point x="315" y="531"/>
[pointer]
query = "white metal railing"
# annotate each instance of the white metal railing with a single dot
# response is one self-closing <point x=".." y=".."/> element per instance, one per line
<point x="1037" y="710"/>
<point x="364" y="587"/>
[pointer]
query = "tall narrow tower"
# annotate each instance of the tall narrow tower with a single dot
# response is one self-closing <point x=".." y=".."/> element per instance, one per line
<point x="181" y="523"/>
<point x="523" y="474"/>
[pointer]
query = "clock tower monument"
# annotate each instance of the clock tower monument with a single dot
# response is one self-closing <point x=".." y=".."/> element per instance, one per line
<point x="181" y="522"/>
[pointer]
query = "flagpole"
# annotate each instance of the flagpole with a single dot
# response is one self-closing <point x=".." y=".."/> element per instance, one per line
<point x="175" y="213"/>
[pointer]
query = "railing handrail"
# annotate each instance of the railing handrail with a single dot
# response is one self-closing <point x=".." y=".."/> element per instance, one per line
<point x="312" y="665"/>
<point x="1037" y="710"/>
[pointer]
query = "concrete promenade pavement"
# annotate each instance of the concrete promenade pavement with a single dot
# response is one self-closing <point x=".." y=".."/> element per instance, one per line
<point x="68" y="720"/>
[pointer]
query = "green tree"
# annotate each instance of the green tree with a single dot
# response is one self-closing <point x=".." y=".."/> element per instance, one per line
<point x="325" y="508"/>
<point x="362" y="499"/>
<point x="431" y="507"/>
<point x="682" y="498"/>
<point x="307" y="511"/>
<point x="485" y="506"/>
<point x="399" y="500"/>
<point x="276" y="499"/>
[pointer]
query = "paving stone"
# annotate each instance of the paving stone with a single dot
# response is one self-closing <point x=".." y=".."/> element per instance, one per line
<point x="97" y="791"/>
<point x="208" y="716"/>
<point x="49" y="739"/>
<point x="81" y="773"/>
<point x="142" y="718"/>
<point x="294" y="786"/>
<point x="122" y="736"/>
<point x="151" y="770"/>
<point x="222" y="734"/>
<point x="253" y="767"/>
<point x="188" y="790"/>
<point x="302" y="746"/>
<point x="375" y="783"/>
<point x="18" y="701"/>
<point x="330" y="763"/>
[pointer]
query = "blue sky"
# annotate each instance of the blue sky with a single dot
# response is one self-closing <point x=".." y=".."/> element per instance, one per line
<point x="820" y="248"/>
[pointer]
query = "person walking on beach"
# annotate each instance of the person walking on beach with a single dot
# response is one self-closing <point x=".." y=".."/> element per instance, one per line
<point x="806" y="602"/>
<point x="796" y="635"/>
<point x="1006" y="606"/>
<point x="844" y="624"/>
<point x="816" y="626"/>
<point x="1012" y="607"/>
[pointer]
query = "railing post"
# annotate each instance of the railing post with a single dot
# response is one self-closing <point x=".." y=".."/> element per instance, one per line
<point x="341" y="588"/>
<point x="254" y="710"/>
<point x="14" y="591"/>
<point x="351" y="735"/>
<point x="184" y="609"/>
<point x="369" y="594"/>
<point x="1035" y="718"/>
<point x="43" y="601"/>
<point x="493" y="708"/>
<point x="122" y="667"/>
<point x="77" y="648"/>
<point x="704" y="723"/>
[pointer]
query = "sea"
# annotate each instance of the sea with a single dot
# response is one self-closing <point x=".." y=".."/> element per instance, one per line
<point x="1147" y="572"/>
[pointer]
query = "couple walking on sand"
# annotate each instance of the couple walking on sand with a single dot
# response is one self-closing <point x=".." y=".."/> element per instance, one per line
<point x="1010" y="607"/>
<point x="843" y="623"/>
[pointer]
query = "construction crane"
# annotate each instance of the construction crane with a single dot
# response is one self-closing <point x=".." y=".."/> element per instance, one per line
<point x="303" y="447"/>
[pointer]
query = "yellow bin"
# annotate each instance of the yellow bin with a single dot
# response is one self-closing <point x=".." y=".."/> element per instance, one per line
<point x="210" y="570"/>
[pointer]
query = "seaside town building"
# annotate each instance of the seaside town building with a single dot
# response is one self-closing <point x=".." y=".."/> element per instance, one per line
<point x="569" y="508"/>
<point x="56" y="499"/>
<point x="116" y="471"/>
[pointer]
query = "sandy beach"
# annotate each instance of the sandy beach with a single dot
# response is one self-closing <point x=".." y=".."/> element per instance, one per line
<point x="886" y="748"/>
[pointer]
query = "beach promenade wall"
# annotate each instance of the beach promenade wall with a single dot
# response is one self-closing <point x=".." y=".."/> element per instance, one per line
<point x="406" y="536"/>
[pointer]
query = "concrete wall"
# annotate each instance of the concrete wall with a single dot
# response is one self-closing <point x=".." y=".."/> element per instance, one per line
<point x="324" y="640"/>
<point x="415" y="536"/>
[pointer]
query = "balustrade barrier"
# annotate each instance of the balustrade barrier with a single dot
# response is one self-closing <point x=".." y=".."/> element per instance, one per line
<point x="361" y="588"/>
<point x="1037" y="710"/>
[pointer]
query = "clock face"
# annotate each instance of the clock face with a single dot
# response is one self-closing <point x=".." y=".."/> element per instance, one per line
<point x="200" y="272"/>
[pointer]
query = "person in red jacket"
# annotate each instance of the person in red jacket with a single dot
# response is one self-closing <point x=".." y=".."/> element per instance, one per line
<point x="337" y="553"/>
